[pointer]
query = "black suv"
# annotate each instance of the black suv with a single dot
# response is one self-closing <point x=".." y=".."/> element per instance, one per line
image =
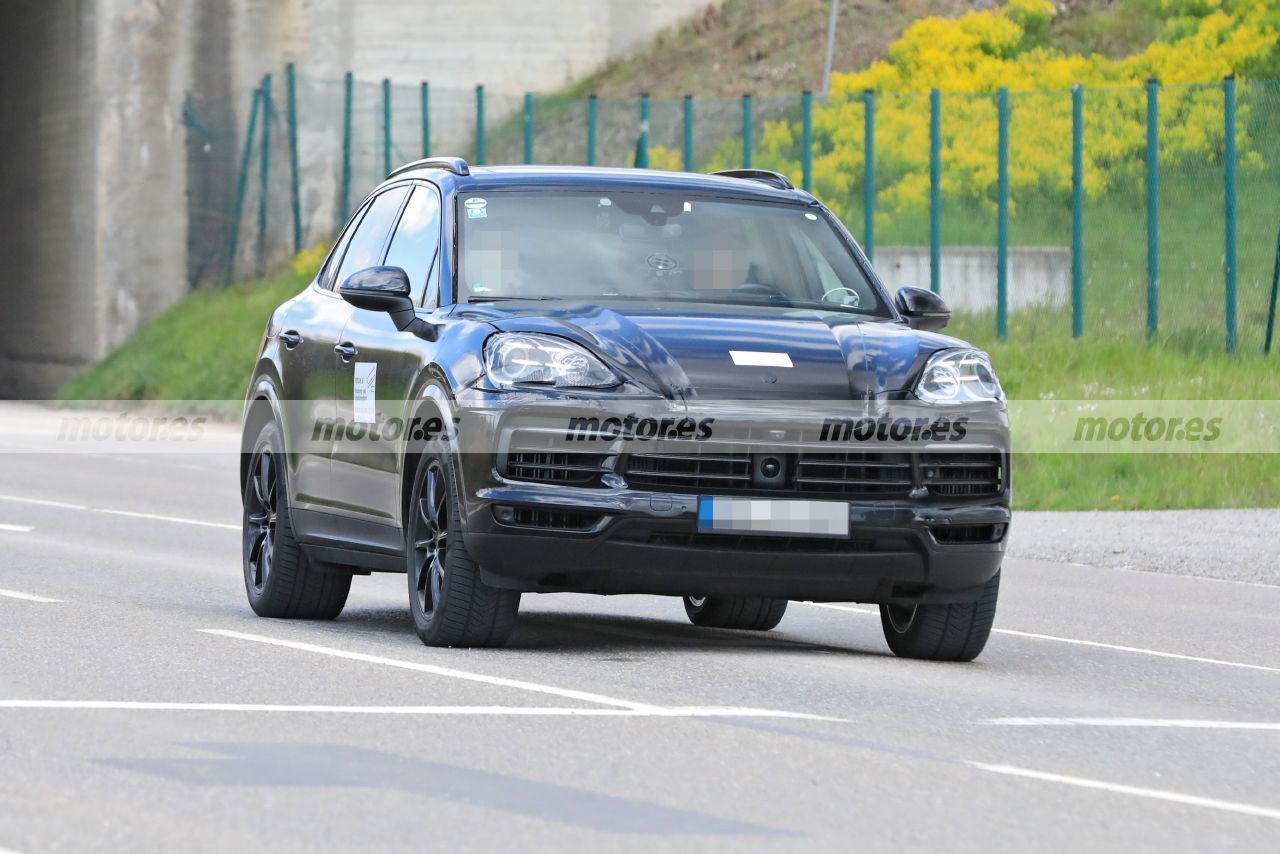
<point x="538" y="379"/>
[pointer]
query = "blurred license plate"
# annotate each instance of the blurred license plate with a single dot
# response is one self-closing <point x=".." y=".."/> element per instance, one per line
<point x="766" y="516"/>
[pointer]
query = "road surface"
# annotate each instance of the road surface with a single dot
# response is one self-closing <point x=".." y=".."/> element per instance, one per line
<point x="143" y="706"/>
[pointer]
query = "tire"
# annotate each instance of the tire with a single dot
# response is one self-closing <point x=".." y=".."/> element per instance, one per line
<point x="450" y="604"/>
<point x="279" y="579"/>
<point x="754" y="613"/>
<point x="941" y="632"/>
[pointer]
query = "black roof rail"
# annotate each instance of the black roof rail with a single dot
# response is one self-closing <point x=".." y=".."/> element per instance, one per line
<point x="456" y="165"/>
<point x="764" y="176"/>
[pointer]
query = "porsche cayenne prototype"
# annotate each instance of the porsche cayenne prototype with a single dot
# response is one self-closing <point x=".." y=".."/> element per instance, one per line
<point x="514" y="380"/>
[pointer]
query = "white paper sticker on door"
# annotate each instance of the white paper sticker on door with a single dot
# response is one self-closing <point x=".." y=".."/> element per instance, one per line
<point x="366" y="394"/>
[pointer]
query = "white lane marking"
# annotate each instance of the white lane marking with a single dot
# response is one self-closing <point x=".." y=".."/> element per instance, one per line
<point x="16" y="529"/>
<point x="42" y="502"/>
<point x="850" y="608"/>
<point x="1153" y="723"/>
<point x="1137" y="649"/>
<point x="158" y="517"/>
<point x="518" y="711"/>
<point x="1078" y="642"/>
<point x="567" y="693"/>
<point x="1136" y="791"/>
<point x="26" y="597"/>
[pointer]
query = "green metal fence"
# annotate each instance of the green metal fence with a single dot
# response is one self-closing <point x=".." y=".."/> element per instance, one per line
<point x="1145" y="211"/>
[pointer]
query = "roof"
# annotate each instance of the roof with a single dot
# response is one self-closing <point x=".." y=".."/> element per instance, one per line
<point x="489" y="178"/>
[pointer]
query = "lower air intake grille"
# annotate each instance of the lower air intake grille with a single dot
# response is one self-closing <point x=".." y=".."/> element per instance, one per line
<point x="559" y="520"/>
<point x="684" y="472"/>
<point x="957" y="534"/>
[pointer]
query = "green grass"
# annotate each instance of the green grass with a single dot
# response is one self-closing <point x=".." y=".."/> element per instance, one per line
<point x="201" y="349"/>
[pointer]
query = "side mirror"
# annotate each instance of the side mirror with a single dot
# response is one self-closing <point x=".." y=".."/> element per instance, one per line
<point x="922" y="309"/>
<point x="381" y="289"/>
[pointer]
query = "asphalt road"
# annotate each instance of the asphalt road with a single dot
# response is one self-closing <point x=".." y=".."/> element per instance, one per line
<point x="143" y="706"/>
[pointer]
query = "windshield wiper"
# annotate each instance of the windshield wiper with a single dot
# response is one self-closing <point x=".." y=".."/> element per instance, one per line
<point x="504" y="299"/>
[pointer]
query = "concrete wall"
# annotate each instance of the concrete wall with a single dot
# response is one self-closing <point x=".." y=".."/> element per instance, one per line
<point x="1039" y="276"/>
<point x="96" y="164"/>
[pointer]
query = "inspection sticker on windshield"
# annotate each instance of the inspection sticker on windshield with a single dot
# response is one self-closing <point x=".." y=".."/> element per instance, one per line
<point x="760" y="359"/>
<point x="476" y="208"/>
<point x="366" y="392"/>
<point x="766" y="516"/>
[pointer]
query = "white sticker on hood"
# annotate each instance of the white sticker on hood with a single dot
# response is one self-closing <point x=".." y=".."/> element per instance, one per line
<point x="760" y="359"/>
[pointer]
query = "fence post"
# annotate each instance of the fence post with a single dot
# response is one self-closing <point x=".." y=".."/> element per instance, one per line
<point x="642" y="144"/>
<point x="264" y="174"/>
<point x="806" y="141"/>
<point x="1229" y="181"/>
<point x="1271" y="308"/>
<point x="1153" y="203"/>
<point x="869" y="174"/>
<point x="528" y="127"/>
<point x="480" y="125"/>
<point x="291" y="86"/>
<point x="935" y="191"/>
<point x="386" y="126"/>
<point x="426" y="119"/>
<point x="591" y="130"/>
<point x="242" y="181"/>
<point x="746" y="131"/>
<point x="1002" y="217"/>
<point x="344" y="203"/>
<point x="1077" y="211"/>
<point x="688" y="133"/>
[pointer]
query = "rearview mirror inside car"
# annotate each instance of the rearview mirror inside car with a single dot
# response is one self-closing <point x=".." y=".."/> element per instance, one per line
<point x="381" y="289"/>
<point x="922" y="309"/>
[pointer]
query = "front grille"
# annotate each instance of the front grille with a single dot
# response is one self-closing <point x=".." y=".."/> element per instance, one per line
<point x="853" y="473"/>
<point x="963" y="474"/>
<point x="554" y="519"/>
<point x="820" y="473"/>
<point x="728" y="472"/>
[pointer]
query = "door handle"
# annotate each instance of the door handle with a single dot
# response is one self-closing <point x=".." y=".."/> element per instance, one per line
<point x="290" y="338"/>
<point x="347" y="351"/>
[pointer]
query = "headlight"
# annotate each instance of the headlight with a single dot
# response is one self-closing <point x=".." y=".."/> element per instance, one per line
<point x="959" y="376"/>
<point x="517" y="358"/>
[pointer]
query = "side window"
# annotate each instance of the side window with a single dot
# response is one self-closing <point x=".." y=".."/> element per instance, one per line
<point x="330" y="269"/>
<point x="365" y="249"/>
<point x="417" y="240"/>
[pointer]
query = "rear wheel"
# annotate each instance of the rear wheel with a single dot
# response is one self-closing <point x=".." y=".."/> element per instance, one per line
<point x="278" y="577"/>
<point x="941" y="632"/>
<point x="735" y="612"/>
<point x="451" y="605"/>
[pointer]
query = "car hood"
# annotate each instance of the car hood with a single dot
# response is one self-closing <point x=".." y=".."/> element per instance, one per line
<point x="688" y="351"/>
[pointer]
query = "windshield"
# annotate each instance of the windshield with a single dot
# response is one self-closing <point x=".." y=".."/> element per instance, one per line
<point x="655" y="245"/>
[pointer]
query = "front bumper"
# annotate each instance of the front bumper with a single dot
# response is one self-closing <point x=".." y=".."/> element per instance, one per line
<point x="616" y="536"/>
<point x="639" y="542"/>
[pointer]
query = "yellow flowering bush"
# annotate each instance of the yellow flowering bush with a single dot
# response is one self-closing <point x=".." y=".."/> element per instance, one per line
<point x="970" y="57"/>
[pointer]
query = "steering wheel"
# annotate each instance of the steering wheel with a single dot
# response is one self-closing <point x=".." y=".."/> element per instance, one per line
<point x="852" y="300"/>
<point x="756" y="288"/>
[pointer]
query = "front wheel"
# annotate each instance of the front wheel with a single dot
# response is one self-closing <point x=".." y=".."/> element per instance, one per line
<point x="451" y="605"/>
<point x="279" y="579"/>
<point x="754" y="613"/>
<point x="941" y="632"/>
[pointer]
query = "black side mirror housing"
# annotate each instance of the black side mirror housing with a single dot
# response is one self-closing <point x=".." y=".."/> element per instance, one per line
<point x="381" y="289"/>
<point x="922" y="309"/>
